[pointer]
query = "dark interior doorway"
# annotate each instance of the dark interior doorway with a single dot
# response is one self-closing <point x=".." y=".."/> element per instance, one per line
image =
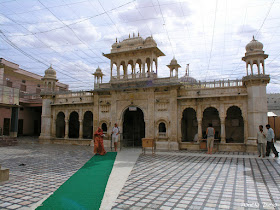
<point x="211" y="115"/>
<point x="189" y="125"/>
<point x="133" y="127"/>
<point x="74" y="125"/>
<point x="88" y="125"/>
<point x="234" y="125"/>
<point x="6" y="127"/>
<point x="20" y="127"/>
<point x="60" y="125"/>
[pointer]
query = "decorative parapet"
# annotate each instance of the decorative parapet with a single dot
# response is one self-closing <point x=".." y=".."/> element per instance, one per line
<point x="133" y="77"/>
<point x="220" y="84"/>
<point x="73" y="98"/>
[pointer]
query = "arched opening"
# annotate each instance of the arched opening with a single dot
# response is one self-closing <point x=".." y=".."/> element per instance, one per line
<point x="148" y="62"/>
<point x="162" y="130"/>
<point x="133" y="126"/>
<point x="88" y="125"/>
<point x="234" y="125"/>
<point x="104" y="127"/>
<point x="122" y="68"/>
<point x="49" y="86"/>
<point x="130" y="67"/>
<point x="138" y="66"/>
<point x="211" y="115"/>
<point x="74" y="125"/>
<point x="60" y="125"/>
<point x="114" y="70"/>
<point x="173" y="72"/>
<point x="188" y="125"/>
<point x="154" y="66"/>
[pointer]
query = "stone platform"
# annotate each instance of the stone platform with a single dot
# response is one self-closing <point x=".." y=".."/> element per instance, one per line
<point x="166" y="180"/>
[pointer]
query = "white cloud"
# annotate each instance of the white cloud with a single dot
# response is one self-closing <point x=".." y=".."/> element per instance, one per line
<point x="190" y="33"/>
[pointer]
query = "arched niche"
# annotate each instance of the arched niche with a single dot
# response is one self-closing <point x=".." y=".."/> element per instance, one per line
<point x="234" y="125"/>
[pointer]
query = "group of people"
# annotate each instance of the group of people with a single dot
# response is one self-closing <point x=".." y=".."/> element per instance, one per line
<point x="98" y="140"/>
<point x="265" y="141"/>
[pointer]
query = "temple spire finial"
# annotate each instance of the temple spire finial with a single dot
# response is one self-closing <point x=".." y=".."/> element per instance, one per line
<point x="138" y="33"/>
<point x="253" y="37"/>
<point x="129" y="36"/>
<point x="116" y="40"/>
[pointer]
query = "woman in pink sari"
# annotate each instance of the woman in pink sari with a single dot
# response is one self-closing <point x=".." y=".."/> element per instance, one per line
<point x="98" y="142"/>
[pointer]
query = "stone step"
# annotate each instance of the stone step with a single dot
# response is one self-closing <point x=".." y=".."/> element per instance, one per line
<point x="8" y="141"/>
<point x="4" y="174"/>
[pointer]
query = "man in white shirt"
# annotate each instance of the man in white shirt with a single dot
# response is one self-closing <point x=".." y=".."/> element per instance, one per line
<point x="270" y="141"/>
<point x="115" y="135"/>
<point x="261" y="140"/>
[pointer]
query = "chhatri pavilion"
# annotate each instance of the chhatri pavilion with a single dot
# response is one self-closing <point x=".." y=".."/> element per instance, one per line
<point x="173" y="111"/>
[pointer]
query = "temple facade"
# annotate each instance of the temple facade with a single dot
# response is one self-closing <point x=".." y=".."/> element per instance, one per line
<point x="174" y="111"/>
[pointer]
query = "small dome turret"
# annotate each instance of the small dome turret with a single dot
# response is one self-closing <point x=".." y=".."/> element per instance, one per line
<point x="98" y="72"/>
<point x="50" y="73"/>
<point x="254" y="46"/>
<point x="173" y="61"/>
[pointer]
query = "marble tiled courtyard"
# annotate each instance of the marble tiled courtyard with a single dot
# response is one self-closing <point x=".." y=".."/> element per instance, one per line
<point x="177" y="180"/>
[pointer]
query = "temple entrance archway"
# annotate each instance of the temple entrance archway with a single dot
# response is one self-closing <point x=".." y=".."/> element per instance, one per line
<point x="234" y="125"/>
<point x="60" y="125"/>
<point x="211" y="115"/>
<point x="88" y="125"/>
<point x="188" y="125"/>
<point x="74" y="125"/>
<point x="133" y="126"/>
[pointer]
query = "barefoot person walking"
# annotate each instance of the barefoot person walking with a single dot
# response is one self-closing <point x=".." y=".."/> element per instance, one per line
<point x="98" y="142"/>
<point x="210" y="138"/>
<point x="115" y="135"/>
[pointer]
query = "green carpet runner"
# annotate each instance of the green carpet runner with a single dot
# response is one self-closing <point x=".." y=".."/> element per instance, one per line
<point x="85" y="189"/>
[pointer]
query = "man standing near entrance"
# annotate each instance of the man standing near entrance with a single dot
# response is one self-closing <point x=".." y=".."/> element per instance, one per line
<point x="115" y="135"/>
<point x="261" y="140"/>
<point x="270" y="141"/>
<point x="210" y="132"/>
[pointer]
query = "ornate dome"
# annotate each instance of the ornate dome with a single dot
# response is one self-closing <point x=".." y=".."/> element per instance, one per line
<point x="173" y="61"/>
<point x="254" y="46"/>
<point x="50" y="73"/>
<point x="150" y="40"/>
<point x="98" y="72"/>
<point x="187" y="79"/>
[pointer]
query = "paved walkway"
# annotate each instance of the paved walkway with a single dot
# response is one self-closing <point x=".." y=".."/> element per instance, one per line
<point x="167" y="180"/>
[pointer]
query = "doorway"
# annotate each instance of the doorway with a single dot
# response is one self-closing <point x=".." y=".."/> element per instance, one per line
<point x="189" y="125"/>
<point x="20" y="127"/>
<point x="133" y="127"/>
<point x="6" y="127"/>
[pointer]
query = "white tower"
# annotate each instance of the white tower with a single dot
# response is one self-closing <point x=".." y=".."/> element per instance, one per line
<point x="256" y="89"/>
<point x="48" y="95"/>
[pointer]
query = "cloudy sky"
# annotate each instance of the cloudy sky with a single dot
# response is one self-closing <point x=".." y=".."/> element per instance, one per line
<point x="210" y="35"/>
